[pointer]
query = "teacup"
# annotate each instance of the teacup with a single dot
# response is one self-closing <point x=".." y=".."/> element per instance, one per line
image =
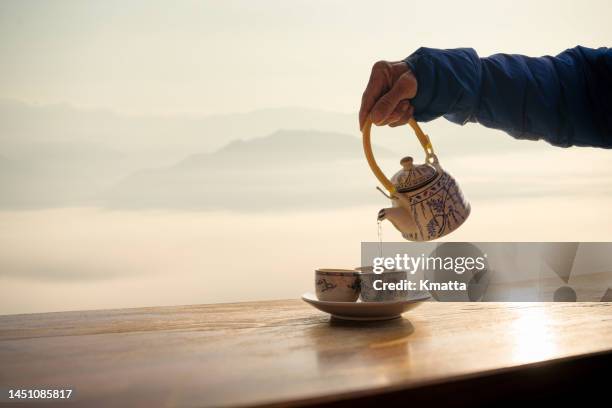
<point x="373" y="291"/>
<point x="337" y="285"/>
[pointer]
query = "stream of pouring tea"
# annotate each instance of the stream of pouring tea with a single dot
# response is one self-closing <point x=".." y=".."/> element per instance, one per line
<point x="380" y="243"/>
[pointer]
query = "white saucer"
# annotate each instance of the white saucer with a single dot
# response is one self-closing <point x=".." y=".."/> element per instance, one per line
<point x="366" y="310"/>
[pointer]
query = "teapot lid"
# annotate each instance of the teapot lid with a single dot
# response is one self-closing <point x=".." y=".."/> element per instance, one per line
<point x="413" y="176"/>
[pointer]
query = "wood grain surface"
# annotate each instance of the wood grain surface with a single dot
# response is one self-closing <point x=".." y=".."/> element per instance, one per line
<point x="284" y="352"/>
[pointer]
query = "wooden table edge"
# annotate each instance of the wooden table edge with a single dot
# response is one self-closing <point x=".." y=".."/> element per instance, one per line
<point x="355" y="398"/>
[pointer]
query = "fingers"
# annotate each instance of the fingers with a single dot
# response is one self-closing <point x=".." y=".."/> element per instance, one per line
<point x="404" y="118"/>
<point x="398" y="113"/>
<point x="404" y="88"/>
<point x="380" y="79"/>
<point x="386" y="97"/>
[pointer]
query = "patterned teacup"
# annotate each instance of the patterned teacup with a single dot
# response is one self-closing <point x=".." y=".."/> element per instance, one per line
<point x="337" y="285"/>
<point x="374" y="290"/>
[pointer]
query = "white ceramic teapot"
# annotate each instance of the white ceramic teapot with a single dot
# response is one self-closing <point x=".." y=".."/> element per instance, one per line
<point x="427" y="202"/>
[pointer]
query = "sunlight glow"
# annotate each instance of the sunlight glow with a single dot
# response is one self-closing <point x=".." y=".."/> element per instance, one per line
<point x="533" y="339"/>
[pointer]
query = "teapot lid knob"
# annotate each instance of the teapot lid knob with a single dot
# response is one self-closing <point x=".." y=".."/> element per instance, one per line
<point x="406" y="163"/>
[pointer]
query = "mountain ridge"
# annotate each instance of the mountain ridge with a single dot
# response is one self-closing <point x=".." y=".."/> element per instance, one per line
<point x="289" y="145"/>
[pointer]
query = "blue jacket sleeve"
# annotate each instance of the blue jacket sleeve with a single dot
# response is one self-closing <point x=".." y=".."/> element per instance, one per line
<point x="565" y="100"/>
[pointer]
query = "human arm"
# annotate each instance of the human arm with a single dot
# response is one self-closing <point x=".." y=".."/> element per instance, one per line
<point x="565" y="100"/>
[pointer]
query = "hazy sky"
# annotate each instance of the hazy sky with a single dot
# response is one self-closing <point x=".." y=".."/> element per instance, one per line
<point x="225" y="56"/>
<point x="205" y="57"/>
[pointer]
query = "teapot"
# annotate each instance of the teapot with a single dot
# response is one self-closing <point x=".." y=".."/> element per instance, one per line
<point x="427" y="202"/>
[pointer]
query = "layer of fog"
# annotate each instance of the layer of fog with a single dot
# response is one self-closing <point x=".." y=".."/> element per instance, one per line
<point x="86" y="258"/>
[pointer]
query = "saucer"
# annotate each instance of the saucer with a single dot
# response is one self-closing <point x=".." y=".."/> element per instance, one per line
<point x="366" y="310"/>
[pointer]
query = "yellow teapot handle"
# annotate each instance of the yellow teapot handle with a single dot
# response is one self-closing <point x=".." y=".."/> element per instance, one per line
<point x="430" y="156"/>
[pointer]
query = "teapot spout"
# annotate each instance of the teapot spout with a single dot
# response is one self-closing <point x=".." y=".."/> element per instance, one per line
<point x="400" y="218"/>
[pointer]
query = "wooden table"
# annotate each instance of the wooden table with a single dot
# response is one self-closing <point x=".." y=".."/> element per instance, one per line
<point x="287" y="353"/>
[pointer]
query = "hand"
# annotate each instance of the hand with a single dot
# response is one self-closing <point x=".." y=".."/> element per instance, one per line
<point x="387" y="96"/>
